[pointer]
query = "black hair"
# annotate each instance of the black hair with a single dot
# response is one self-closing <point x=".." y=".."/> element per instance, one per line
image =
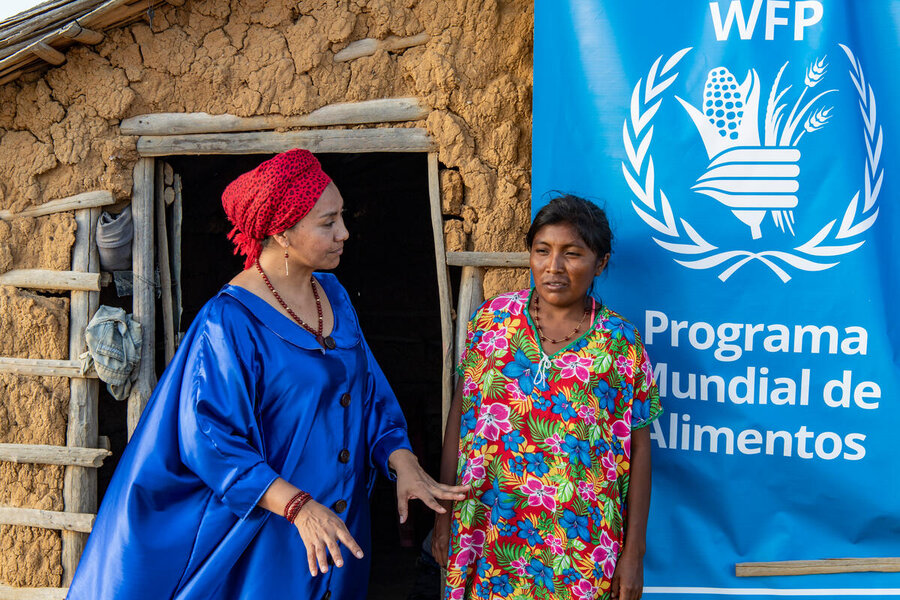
<point x="588" y="219"/>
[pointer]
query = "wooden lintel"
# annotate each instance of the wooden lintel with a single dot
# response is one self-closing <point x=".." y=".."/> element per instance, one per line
<point x="320" y="140"/>
<point x="53" y="455"/>
<point x="78" y="201"/>
<point x="818" y="567"/>
<point x="74" y="31"/>
<point x="47" y="519"/>
<point x="42" y="279"/>
<point x="47" y="53"/>
<point x="488" y="259"/>
<point x="385" y="110"/>
<point x="44" y="368"/>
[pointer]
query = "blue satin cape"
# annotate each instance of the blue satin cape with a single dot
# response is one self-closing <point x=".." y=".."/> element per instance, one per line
<point x="248" y="397"/>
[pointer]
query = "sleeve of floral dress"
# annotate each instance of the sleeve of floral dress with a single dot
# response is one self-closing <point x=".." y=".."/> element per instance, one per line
<point x="645" y="407"/>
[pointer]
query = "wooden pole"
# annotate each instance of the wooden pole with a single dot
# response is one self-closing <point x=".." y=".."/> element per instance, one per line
<point x="52" y="455"/>
<point x="44" y="367"/>
<point x="165" y="277"/>
<point x="19" y="593"/>
<point x="68" y="522"/>
<point x="817" y="567"/>
<point x="46" y="52"/>
<point x="84" y="200"/>
<point x="369" y="46"/>
<point x="80" y="483"/>
<point x="488" y="259"/>
<point x="74" y="31"/>
<point x="177" y="217"/>
<point x="144" y="297"/>
<point x="267" y="142"/>
<point x="471" y="295"/>
<point x="41" y="279"/>
<point x="443" y="277"/>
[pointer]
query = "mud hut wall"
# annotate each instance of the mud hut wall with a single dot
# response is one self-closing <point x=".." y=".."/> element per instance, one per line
<point x="59" y="136"/>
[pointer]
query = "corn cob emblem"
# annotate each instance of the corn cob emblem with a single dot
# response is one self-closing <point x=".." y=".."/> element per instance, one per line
<point x="745" y="174"/>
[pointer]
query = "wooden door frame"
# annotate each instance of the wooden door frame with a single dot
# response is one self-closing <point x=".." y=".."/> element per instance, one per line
<point x="407" y="139"/>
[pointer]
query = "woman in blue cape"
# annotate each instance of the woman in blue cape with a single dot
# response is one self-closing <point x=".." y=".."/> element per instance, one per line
<point x="272" y="404"/>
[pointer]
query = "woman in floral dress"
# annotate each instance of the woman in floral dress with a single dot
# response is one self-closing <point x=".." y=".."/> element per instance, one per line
<point x="549" y="427"/>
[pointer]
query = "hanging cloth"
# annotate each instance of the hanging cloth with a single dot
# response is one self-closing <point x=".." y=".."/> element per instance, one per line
<point x="114" y="349"/>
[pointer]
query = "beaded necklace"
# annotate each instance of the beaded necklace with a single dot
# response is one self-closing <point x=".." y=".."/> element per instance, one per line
<point x="537" y="324"/>
<point x="324" y="341"/>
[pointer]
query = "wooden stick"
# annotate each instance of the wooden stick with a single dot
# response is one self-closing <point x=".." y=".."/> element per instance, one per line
<point x="471" y="295"/>
<point x="387" y="110"/>
<point x="369" y="46"/>
<point x="85" y="200"/>
<point x="10" y="77"/>
<point x="17" y="593"/>
<point x="443" y="277"/>
<point x="165" y="276"/>
<point x="80" y="483"/>
<point x="488" y="259"/>
<point x="817" y="567"/>
<point x="177" y="217"/>
<point x="108" y="14"/>
<point x="144" y="288"/>
<point x="47" y="519"/>
<point x="321" y="140"/>
<point x="74" y="31"/>
<point x="44" y="368"/>
<point x="46" y="52"/>
<point x="41" y="279"/>
<point x="53" y="455"/>
<point x="36" y="20"/>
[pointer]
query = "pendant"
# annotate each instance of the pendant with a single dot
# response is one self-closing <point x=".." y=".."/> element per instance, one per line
<point x="328" y="342"/>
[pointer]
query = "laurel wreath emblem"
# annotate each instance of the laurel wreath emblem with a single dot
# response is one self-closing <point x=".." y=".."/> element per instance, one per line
<point x="816" y="254"/>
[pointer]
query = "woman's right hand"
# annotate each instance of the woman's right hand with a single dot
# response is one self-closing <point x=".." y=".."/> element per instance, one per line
<point x="320" y="528"/>
<point x="440" y="537"/>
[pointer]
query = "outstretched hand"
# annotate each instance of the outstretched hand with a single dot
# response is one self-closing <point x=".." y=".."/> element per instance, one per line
<point x="321" y="530"/>
<point x="413" y="482"/>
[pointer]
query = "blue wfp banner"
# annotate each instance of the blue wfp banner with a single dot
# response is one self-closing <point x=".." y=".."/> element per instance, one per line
<point x="742" y="150"/>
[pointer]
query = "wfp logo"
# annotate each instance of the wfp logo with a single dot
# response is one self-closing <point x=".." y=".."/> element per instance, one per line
<point x="754" y="164"/>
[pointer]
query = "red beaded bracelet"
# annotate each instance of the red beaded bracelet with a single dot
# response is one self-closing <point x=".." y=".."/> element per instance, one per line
<point x="295" y="504"/>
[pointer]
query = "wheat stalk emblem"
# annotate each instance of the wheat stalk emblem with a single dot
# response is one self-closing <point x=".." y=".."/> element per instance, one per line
<point x="733" y="145"/>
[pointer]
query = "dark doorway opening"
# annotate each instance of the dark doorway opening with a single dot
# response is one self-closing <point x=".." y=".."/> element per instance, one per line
<point x="388" y="268"/>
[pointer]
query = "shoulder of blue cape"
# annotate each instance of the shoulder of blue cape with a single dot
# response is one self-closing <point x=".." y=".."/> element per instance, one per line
<point x="234" y="308"/>
<point x="234" y="317"/>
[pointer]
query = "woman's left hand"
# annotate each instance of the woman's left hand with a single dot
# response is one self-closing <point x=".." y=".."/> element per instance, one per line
<point x="628" y="579"/>
<point x="414" y="482"/>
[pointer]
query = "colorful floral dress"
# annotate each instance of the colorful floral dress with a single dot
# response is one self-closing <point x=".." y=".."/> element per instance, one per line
<point x="545" y="442"/>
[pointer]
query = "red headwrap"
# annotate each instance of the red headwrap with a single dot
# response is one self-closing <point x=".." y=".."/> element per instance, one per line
<point x="271" y="198"/>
